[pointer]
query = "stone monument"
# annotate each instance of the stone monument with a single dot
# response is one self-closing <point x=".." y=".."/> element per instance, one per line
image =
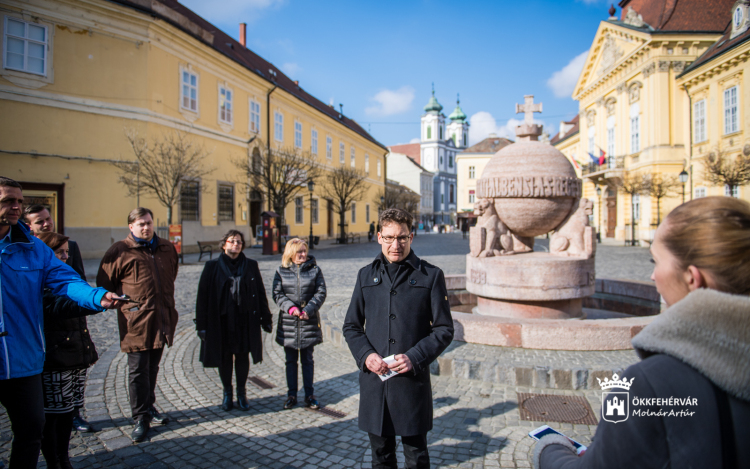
<point x="530" y="189"/>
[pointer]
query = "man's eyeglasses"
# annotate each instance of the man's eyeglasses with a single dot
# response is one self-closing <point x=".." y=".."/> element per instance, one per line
<point x="234" y="241"/>
<point x="391" y="239"/>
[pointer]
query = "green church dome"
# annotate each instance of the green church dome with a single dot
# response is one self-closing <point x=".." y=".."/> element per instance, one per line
<point x="433" y="104"/>
<point x="458" y="114"/>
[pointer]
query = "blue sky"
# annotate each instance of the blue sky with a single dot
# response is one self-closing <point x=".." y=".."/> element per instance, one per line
<point x="379" y="59"/>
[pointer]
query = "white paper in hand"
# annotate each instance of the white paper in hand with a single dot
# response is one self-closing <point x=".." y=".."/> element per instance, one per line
<point x="391" y="373"/>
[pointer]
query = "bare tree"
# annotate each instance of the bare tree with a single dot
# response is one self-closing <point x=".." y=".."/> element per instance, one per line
<point x="659" y="186"/>
<point x="344" y="185"/>
<point x="399" y="196"/>
<point x="632" y="184"/>
<point x="160" y="168"/>
<point x="281" y="173"/>
<point x="723" y="170"/>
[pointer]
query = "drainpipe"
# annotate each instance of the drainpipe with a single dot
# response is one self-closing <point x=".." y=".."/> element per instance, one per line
<point x="268" y="130"/>
<point x="690" y="143"/>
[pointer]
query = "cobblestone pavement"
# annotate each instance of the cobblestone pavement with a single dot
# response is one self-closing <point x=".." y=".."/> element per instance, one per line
<point x="477" y="423"/>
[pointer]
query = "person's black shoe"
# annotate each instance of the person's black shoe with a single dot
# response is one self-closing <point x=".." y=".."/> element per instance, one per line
<point x="242" y="401"/>
<point x="140" y="431"/>
<point x="81" y="425"/>
<point x="226" y="403"/>
<point x="156" y="417"/>
<point x="291" y="401"/>
<point x="312" y="403"/>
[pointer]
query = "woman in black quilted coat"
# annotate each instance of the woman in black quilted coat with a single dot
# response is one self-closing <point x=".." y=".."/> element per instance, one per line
<point x="69" y="352"/>
<point x="300" y="290"/>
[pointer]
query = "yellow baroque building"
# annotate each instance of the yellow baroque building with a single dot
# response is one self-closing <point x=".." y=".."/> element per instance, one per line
<point x="78" y="74"/>
<point x="635" y="116"/>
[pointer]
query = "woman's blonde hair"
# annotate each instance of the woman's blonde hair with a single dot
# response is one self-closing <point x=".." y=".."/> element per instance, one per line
<point x="713" y="234"/>
<point x="292" y="248"/>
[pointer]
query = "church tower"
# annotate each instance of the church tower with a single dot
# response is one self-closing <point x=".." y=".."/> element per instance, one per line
<point x="458" y="129"/>
<point x="433" y="121"/>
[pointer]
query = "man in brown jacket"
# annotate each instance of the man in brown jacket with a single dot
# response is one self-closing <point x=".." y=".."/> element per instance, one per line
<point x="143" y="267"/>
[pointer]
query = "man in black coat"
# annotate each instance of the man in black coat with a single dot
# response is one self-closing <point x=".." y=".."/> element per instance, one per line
<point x="399" y="308"/>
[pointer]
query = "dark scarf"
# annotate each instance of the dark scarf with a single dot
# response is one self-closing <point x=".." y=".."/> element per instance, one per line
<point x="150" y="244"/>
<point x="233" y="268"/>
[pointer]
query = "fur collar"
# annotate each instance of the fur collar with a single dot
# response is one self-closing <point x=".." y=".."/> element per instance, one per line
<point x="708" y="330"/>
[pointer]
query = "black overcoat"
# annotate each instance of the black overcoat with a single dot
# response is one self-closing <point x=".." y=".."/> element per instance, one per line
<point x="253" y="301"/>
<point x="409" y="316"/>
<point x="67" y="341"/>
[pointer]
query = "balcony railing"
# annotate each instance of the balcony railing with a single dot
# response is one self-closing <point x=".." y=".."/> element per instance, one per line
<point x="610" y="162"/>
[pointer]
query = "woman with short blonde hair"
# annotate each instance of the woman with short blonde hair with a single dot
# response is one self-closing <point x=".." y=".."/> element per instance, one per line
<point x="300" y="290"/>
<point x="695" y="364"/>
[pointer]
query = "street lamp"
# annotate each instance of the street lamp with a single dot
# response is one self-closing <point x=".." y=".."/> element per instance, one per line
<point x="599" y="223"/>
<point x="311" y="187"/>
<point x="683" y="179"/>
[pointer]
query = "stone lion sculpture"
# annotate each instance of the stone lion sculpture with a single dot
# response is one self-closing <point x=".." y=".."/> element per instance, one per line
<point x="574" y="237"/>
<point x="490" y="237"/>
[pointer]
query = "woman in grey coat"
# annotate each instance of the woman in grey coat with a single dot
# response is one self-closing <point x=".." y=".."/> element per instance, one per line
<point x="300" y="290"/>
<point x="689" y="397"/>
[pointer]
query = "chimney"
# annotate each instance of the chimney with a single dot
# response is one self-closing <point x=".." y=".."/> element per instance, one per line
<point x="243" y="34"/>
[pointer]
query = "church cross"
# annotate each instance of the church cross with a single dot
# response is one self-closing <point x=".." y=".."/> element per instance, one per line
<point x="528" y="108"/>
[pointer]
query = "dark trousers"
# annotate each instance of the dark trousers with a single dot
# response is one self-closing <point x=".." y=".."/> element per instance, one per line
<point x="56" y="439"/>
<point x="306" y="357"/>
<point x="23" y="401"/>
<point x="241" y="370"/>
<point x="143" y="367"/>
<point x="384" y="452"/>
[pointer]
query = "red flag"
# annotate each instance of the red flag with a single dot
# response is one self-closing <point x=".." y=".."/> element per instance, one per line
<point x="602" y="157"/>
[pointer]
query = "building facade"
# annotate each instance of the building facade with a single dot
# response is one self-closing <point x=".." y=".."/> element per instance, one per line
<point x="78" y="74"/>
<point x="411" y="174"/>
<point x="633" y="108"/>
<point x="470" y="165"/>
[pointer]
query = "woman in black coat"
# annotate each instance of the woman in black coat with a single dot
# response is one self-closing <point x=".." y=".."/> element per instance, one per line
<point x="230" y="310"/>
<point x="69" y="352"/>
<point x="300" y="290"/>
<point x="689" y="397"/>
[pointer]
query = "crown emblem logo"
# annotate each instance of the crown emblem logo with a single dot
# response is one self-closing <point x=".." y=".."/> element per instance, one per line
<point x="616" y="382"/>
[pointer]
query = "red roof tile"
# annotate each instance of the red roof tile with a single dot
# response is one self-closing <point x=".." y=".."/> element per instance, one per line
<point x="681" y="15"/>
<point x="412" y="150"/>
<point x="724" y="44"/>
<point x="489" y="145"/>
<point x="191" y="23"/>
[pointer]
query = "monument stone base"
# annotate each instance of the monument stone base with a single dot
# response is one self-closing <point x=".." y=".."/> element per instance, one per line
<point x="555" y="309"/>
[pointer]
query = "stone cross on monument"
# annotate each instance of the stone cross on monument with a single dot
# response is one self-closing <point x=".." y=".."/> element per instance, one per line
<point x="528" y="108"/>
<point x="528" y="131"/>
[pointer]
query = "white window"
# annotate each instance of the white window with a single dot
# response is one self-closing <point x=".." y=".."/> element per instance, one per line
<point x="592" y="141"/>
<point x="225" y="105"/>
<point x="636" y="207"/>
<point x="254" y="116"/>
<point x="611" y="137"/>
<point x="699" y="121"/>
<point x="367" y="213"/>
<point x="314" y="142"/>
<point x="378" y="168"/>
<point x="472" y="172"/>
<point x="472" y="198"/>
<point x="278" y="126"/>
<point x="354" y="212"/>
<point x="734" y="192"/>
<point x="297" y="134"/>
<point x="314" y="210"/>
<point x="299" y="214"/>
<point x="342" y="150"/>
<point x="367" y="163"/>
<point x="25" y="46"/>
<point x="731" y="116"/>
<point x="635" y="128"/>
<point x="329" y="148"/>
<point x="353" y="157"/>
<point x="189" y="91"/>
<point x="700" y="192"/>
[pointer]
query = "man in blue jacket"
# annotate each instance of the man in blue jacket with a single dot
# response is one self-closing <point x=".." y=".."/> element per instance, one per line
<point x="27" y="266"/>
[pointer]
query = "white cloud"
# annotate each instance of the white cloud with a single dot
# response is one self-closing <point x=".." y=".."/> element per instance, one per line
<point x="291" y="69"/>
<point x="233" y="11"/>
<point x="563" y="81"/>
<point x="391" y="102"/>
<point x="482" y="124"/>
<point x="415" y="140"/>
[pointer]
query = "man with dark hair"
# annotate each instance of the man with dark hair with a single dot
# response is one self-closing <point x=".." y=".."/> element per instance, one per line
<point x="27" y="266"/>
<point x="399" y="310"/>
<point x="143" y="267"/>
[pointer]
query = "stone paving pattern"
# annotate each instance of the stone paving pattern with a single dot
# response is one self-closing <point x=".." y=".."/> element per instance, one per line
<point x="476" y="424"/>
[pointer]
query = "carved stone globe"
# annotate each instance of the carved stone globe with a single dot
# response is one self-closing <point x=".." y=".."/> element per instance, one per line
<point x="533" y="186"/>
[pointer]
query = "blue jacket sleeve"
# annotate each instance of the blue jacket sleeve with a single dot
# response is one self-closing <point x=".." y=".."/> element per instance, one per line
<point x="62" y="280"/>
